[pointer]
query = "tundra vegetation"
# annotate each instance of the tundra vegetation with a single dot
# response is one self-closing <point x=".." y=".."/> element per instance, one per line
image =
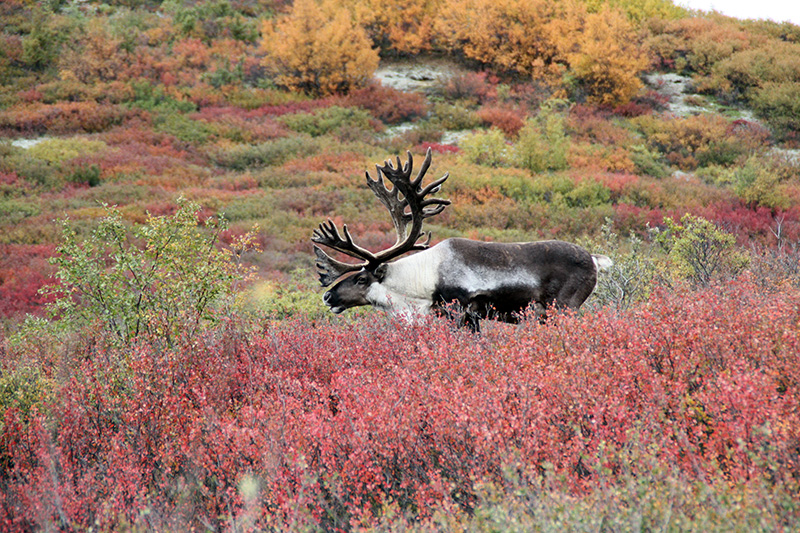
<point x="166" y="361"/>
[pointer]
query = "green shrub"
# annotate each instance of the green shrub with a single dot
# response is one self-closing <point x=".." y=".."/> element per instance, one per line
<point x="701" y="252"/>
<point x="58" y="150"/>
<point x="276" y="152"/>
<point x="588" y="193"/>
<point x="775" y="62"/>
<point x="173" y="284"/>
<point x="424" y="131"/>
<point x="30" y="168"/>
<point x="15" y="210"/>
<point x="327" y="120"/>
<point x="88" y="175"/>
<point x="645" y="494"/>
<point x="647" y="162"/>
<point x="40" y="48"/>
<point x="634" y="272"/>
<point x="779" y="105"/>
<point x="488" y="148"/>
<point x="298" y="296"/>
<point x="456" y="116"/>
<point x="253" y="97"/>
<point x="250" y="207"/>
<point x="23" y="389"/>
<point x="543" y="143"/>
<point x="70" y="89"/>
<point x="761" y="182"/>
<point x="150" y="97"/>
<point x="183" y="128"/>
<point x="701" y="140"/>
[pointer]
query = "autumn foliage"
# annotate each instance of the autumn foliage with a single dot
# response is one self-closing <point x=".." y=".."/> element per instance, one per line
<point x="332" y="427"/>
<point x="548" y="40"/>
<point x="318" y="48"/>
<point x="165" y="392"/>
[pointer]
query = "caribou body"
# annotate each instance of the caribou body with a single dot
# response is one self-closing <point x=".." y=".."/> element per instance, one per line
<point x="474" y="278"/>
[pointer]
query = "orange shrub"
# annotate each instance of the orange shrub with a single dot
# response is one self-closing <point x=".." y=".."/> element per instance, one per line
<point x="317" y="48"/>
<point x="598" y="157"/>
<point x="508" y="120"/>
<point x="96" y="57"/>
<point x="606" y="58"/>
<point x="404" y="26"/>
<point x="517" y="36"/>
<point x="545" y="40"/>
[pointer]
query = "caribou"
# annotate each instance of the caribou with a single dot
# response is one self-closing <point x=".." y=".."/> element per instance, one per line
<point x="473" y="279"/>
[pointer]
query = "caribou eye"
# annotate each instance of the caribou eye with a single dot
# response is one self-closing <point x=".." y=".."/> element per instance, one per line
<point x="361" y="280"/>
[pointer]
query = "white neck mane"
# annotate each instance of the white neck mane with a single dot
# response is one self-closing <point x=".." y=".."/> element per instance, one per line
<point x="409" y="283"/>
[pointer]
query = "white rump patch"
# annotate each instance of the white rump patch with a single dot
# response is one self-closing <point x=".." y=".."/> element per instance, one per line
<point x="602" y="262"/>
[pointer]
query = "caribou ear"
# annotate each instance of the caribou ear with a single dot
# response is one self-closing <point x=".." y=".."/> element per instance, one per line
<point x="329" y="269"/>
<point x="380" y="272"/>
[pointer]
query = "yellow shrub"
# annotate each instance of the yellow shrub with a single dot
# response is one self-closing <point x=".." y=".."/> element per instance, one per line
<point x="607" y="59"/>
<point x="317" y="48"/>
<point x="405" y="26"/>
<point x="510" y="35"/>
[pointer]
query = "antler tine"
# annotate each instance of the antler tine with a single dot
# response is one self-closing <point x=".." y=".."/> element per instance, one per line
<point x="391" y="200"/>
<point x="328" y="235"/>
<point x="414" y="197"/>
<point x="407" y="204"/>
<point x="329" y="269"/>
<point x="426" y="163"/>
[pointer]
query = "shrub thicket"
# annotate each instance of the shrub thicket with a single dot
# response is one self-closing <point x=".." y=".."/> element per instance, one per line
<point x="168" y="286"/>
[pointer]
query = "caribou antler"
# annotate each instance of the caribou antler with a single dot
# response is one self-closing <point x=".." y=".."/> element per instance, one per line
<point x="329" y="269"/>
<point x="413" y="198"/>
<point x="328" y="234"/>
<point x="408" y="204"/>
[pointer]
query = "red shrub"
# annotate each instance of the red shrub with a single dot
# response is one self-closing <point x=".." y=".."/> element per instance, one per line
<point x="327" y="423"/>
<point x="386" y="104"/>
<point x="440" y="148"/>
<point x="509" y="121"/>
<point x="629" y="217"/>
<point x="23" y="271"/>
<point x="592" y="124"/>
<point x="749" y="225"/>
<point x="12" y="180"/>
<point x="294" y="107"/>
<point x="63" y="117"/>
<point x="469" y="86"/>
<point x="241" y="125"/>
<point x="643" y="105"/>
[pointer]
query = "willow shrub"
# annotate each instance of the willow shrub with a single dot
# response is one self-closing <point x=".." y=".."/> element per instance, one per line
<point x="165" y="278"/>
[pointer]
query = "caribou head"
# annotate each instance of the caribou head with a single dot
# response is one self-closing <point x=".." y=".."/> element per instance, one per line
<point x="409" y="204"/>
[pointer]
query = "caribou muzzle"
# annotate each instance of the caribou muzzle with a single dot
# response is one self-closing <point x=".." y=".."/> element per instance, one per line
<point x="330" y="300"/>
